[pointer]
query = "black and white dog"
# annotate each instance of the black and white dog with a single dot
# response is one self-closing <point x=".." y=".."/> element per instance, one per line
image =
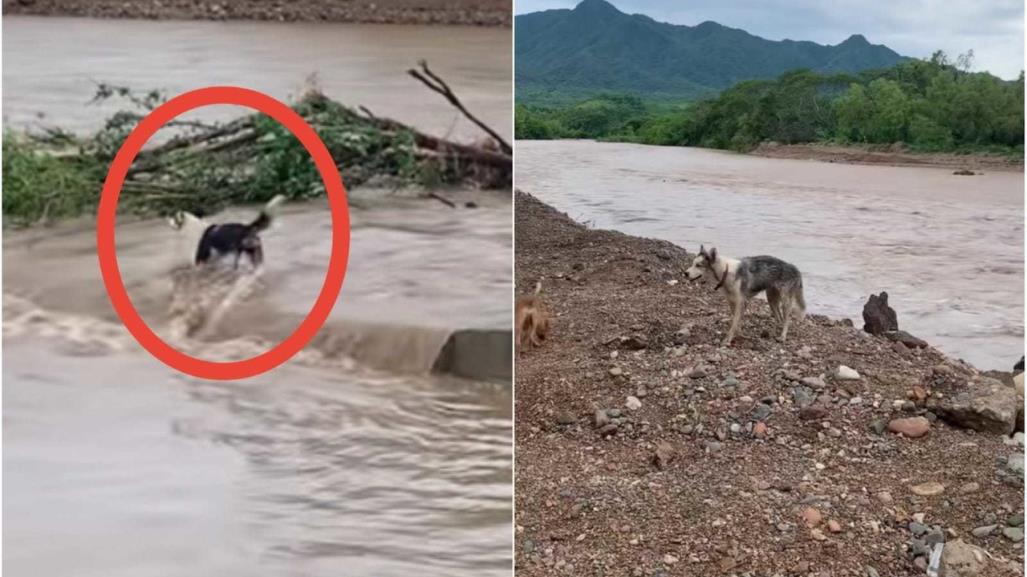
<point x="212" y="241"/>
<point x="743" y="279"/>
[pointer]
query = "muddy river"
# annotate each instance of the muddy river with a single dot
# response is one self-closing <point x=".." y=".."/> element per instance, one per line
<point x="947" y="249"/>
<point x="384" y="448"/>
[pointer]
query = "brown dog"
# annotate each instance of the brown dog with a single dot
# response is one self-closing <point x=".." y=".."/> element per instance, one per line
<point x="532" y="320"/>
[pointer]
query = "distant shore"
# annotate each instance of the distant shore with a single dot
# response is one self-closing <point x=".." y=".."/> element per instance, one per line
<point x="451" y="12"/>
<point x="976" y="162"/>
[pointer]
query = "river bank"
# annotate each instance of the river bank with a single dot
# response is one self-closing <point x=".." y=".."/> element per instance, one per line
<point x="890" y="156"/>
<point x="853" y="230"/>
<point x="459" y="12"/>
<point x="644" y="448"/>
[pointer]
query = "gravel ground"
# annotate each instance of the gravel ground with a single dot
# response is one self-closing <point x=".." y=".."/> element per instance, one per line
<point x="644" y="449"/>
<point x="466" y="12"/>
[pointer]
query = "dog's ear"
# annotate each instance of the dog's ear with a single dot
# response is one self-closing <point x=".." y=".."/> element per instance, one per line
<point x="702" y="250"/>
<point x="712" y="257"/>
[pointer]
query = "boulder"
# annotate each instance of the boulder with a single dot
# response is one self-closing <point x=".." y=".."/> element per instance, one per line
<point x="961" y="559"/>
<point x="878" y="317"/>
<point x="987" y="406"/>
<point x="1018" y="367"/>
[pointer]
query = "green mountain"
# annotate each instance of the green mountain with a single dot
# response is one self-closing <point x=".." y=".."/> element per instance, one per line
<point x="595" y="47"/>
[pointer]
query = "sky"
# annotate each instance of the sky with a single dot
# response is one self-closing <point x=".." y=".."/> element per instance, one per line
<point x="993" y="29"/>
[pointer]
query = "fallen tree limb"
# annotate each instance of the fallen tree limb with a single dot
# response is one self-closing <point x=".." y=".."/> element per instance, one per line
<point x="205" y="166"/>
<point x="432" y="81"/>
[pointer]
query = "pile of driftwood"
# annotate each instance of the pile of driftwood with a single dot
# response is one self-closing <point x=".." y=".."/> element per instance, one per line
<point x="205" y="166"/>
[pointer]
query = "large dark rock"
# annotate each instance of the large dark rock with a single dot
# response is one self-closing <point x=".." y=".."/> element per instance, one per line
<point x="878" y="317"/>
<point x="1018" y="367"/>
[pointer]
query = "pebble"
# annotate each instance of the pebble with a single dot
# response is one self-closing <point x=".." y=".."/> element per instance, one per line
<point x="762" y="412"/>
<point x="1016" y="439"/>
<point x="917" y="529"/>
<point x="1015" y="464"/>
<point x="713" y="446"/>
<point x="1015" y="520"/>
<point x="736" y="428"/>
<point x="814" y="382"/>
<point x="802" y="396"/>
<point x="669" y="559"/>
<point x="616" y="371"/>
<point x="566" y="418"/>
<point x="811" y="516"/>
<point x="696" y="373"/>
<point x="971" y="487"/>
<point x="759" y="430"/>
<point x="879" y="426"/>
<point x="884" y="497"/>
<point x="984" y="531"/>
<point x="601" y="418"/>
<point x="928" y="489"/>
<point x="844" y="373"/>
<point x="633" y="403"/>
<point x="912" y="427"/>
<point x="1014" y="534"/>
<point x="730" y="381"/>
<point x="934" y="536"/>
<point x="834" y="526"/>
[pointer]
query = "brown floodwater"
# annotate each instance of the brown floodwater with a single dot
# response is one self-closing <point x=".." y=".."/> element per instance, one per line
<point x="52" y="65"/>
<point x="948" y="249"/>
<point x="383" y="448"/>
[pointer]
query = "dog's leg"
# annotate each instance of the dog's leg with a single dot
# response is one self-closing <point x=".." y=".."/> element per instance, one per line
<point x="788" y="308"/>
<point x="774" y="300"/>
<point x="737" y="306"/>
<point x="256" y="255"/>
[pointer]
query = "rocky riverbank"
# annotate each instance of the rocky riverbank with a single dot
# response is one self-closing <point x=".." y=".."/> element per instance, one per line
<point x="645" y="449"/>
<point x="964" y="164"/>
<point x="463" y="12"/>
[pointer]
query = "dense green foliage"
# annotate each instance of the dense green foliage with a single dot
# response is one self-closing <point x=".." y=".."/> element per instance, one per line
<point x="930" y="105"/>
<point x="573" y="54"/>
<point x="202" y="167"/>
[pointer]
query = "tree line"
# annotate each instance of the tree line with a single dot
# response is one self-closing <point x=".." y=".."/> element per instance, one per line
<point x="929" y="105"/>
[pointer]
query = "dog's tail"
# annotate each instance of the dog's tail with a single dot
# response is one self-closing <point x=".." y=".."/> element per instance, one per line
<point x="267" y="214"/>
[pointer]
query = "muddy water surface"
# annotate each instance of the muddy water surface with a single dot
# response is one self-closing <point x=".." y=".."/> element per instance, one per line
<point x="947" y="249"/>
<point x="52" y="65"/>
<point x="352" y="456"/>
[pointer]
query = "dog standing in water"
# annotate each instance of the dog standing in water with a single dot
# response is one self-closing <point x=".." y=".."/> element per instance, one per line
<point x="232" y="238"/>
<point x="743" y="279"/>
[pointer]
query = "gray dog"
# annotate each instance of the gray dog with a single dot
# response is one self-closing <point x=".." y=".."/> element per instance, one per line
<point x="743" y="279"/>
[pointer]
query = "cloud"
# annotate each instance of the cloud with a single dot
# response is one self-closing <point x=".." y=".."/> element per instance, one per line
<point x="993" y="29"/>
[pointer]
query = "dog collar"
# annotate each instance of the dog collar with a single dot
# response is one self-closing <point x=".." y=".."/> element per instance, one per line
<point x="723" y="277"/>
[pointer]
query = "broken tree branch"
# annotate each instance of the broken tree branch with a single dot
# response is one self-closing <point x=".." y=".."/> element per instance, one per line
<point x="436" y="84"/>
